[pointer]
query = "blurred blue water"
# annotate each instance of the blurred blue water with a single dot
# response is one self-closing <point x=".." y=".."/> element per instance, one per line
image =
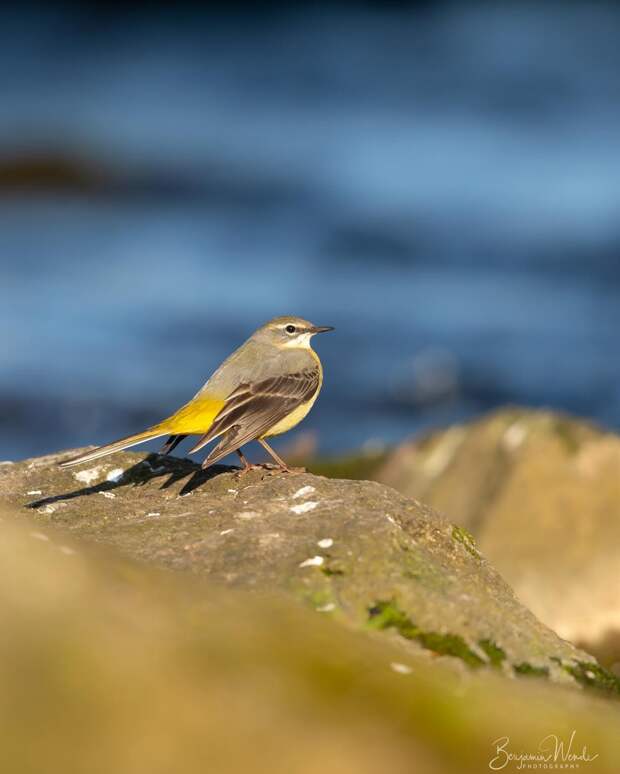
<point x="442" y="185"/>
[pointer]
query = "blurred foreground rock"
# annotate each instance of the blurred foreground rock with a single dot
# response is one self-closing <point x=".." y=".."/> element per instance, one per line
<point x="108" y="666"/>
<point x="355" y="551"/>
<point x="541" y="494"/>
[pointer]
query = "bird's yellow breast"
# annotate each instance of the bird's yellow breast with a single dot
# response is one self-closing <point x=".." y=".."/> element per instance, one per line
<point x="295" y="417"/>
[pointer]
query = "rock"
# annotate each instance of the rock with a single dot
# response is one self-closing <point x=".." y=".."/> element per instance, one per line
<point x="51" y="172"/>
<point x="108" y="665"/>
<point x="358" y="552"/>
<point x="541" y="494"/>
<point x="84" y="172"/>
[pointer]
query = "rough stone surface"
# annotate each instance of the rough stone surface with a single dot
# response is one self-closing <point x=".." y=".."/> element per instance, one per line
<point x="355" y="551"/>
<point x="112" y="666"/>
<point x="541" y="494"/>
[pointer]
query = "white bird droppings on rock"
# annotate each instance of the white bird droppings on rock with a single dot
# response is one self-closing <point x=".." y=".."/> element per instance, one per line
<point x="402" y="669"/>
<point x="247" y="515"/>
<point x="87" y="476"/>
<point x="304" y="492"/>
<point x="304" y="507"/>
<point x="314" y="561"/>
<point x="325" y="543"/>
<point x="115" y="475"/>
<point x="39" y="536"/>
<point x="515" y="435"/>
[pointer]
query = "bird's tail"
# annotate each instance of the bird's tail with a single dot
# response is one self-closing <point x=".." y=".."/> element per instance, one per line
<point x="115" y="446"/>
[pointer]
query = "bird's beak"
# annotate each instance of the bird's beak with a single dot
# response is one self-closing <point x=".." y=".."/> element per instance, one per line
<point x="321" y="328"/>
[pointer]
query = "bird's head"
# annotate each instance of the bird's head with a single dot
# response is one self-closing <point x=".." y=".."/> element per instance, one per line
<point x="290" y="332"/>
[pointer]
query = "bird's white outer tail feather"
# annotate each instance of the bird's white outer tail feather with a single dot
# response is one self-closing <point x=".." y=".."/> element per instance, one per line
<point x="115" y="446"/>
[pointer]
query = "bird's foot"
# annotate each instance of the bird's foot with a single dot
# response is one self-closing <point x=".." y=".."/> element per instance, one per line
<point x="269" y="469"/>
<point x="266" y="468"/>
<point x="292" y="471"/>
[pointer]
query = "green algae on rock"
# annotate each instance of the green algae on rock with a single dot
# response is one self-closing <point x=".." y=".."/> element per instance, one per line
<point x="387" y="615"/>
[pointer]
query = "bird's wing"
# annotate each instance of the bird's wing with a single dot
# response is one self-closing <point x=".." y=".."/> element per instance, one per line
<point x="253" y="408"/>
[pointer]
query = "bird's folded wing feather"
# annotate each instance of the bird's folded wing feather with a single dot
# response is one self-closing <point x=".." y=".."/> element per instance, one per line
<point x="252" y="409"/>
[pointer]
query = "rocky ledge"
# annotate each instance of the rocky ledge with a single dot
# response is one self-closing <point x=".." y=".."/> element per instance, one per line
<point x="540" y="491"/>
<point x="109" y="665"/>
<point x="354" y="551"/>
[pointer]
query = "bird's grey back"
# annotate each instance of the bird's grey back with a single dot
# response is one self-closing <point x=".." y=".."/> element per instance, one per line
<point x="253" y="362"/>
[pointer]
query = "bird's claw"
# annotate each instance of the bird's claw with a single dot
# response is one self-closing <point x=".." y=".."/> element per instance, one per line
<point x="270" y="470"/>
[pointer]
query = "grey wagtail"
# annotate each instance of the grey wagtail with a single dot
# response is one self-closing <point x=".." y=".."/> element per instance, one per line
<point x="264" y="388"/>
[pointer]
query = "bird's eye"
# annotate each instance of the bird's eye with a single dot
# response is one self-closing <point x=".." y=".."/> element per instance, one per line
<point x="290" y="329"/>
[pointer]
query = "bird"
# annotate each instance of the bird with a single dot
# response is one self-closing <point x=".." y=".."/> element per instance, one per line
<point x="263" y="389"/>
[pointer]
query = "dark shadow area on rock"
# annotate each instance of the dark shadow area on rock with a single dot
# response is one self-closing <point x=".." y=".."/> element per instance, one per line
<point x="153" y="466"/>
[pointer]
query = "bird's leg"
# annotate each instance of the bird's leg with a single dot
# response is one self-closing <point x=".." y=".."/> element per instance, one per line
<point x="282" y="465"/>
<point x="172" y="442"/>
<point x="247" y="465"/>
<point x="244" y="459"/>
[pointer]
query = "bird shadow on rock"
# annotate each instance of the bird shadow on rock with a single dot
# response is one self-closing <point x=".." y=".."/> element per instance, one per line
<point x="152" y="467"/>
